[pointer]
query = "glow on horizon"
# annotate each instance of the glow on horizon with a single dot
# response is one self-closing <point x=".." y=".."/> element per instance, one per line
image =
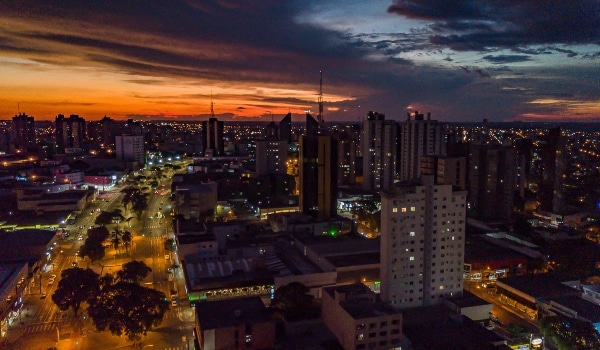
<point x="93" y="93"/>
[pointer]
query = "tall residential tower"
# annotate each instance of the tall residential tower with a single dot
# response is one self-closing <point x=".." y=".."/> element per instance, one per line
<point x="379" y="152"/>
<point x="422" y="243"/>
<point x="418" y="137"/>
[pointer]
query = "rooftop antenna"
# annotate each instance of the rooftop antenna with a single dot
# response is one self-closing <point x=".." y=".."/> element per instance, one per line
<point x="320" y="100"/>
<point x="212" y="105"/>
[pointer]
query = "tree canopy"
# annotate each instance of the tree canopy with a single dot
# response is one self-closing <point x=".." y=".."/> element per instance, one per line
<point x="570" y="333"/>
<point x="109" y="217"/>
<point x="133" y="271"/>
<point x="128" y="308"/>
<point x="93" y="249"/>
<point x="293" y="300"/>
<point x="76" y="286"/>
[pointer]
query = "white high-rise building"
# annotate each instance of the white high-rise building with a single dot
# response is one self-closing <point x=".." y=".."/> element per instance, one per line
<point x="130" y="148"/>
<point x="419" y="137"/>
<point x="422" y="243"/>
<point x="379" y="152"/>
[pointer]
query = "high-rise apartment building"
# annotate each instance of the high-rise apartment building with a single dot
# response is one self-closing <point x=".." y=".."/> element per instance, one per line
<point x="23" y="127"/>
<point x="272" y="131"/>
<point x="492" y="170"/>
<point x="213" y="143"/>
<point x="271" y="157"/>
<point x="285" y="128"/>
<point x="379" y="152"/>
<point x="318" y="176"/>
<point x="422" y="243"/>
<point x="130" y="148"/>
<point x="70" y="132"/>
<point x="346" y="158"/>
<point x="550" y="191"/>
<point x="312" y="125"/>
<point x="447" y="170"/>
<point x="418" y="137"/>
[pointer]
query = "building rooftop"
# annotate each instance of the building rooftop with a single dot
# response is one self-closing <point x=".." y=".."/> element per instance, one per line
<point x="584" y="308"/>
<point x="468" y="300"/>
<point x="25" y="238"/>
<point x="7" y="273"/>
<point x="206" y="275"/>
<point x="360" y="302"/>
<point x="545" y="285"/>
<point x="341" y="245"/>
<point x="231" y="312"/>
<point x="478" y="250"/>
<point x="355" y="259"/>
<point x="451" y="331"/>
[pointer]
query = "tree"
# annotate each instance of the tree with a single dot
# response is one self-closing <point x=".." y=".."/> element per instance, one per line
<point x="139" y="203"/>
<point x="570" y="333"/>
<point x="293" y="300"/>
<point x="170" y="245"/>
<point x="76" y="286"/>
<point x="109" y="217"/>
<point x="128" y="308"/>
<point x="93" y="249"/>
<point x="99" y="234"/>
<point x="126" y="238"/>
<point x="133" y="271"/>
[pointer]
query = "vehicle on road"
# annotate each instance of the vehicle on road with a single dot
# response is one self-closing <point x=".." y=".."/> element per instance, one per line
<point x="167" y="257"/>
<point x="173" y="302"/>
<point x="43" y="296"/>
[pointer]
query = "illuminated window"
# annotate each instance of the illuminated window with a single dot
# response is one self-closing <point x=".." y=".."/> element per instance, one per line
<point x="404" y="210"/>
<point x="413" y="208"/>
<point x="395" y="210"/>
<point x="411" y="258"/>
<point x="412" y="234"/>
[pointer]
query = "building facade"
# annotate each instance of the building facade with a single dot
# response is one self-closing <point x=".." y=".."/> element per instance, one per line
<point x="358" y="320"/>
<point x="23" y="130"/>
<point x="130" y="148"/>
<point x="213" y="143"/>
<point x="271" y="157"/>
<point x="318" y="176"/>
<point x="70" y="133"/>
<point x="422" y="243"/>
<point x="418" y="137"/>
<point x="492" y="177"/>
<point x="379" y="152"/>
<point x="234" y="324"/>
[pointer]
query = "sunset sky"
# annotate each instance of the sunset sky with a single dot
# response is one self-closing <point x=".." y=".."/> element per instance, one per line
<point x="460" y="60"/>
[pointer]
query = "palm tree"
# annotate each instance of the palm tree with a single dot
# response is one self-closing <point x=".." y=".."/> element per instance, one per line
<point x="116" y="239"/>
<point x="126" y="239"/>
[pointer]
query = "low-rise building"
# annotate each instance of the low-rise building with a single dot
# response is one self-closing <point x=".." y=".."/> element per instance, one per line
<point x="13" y="281"/>
<point x="234" y="324"/>
<point x="358" y="320"/>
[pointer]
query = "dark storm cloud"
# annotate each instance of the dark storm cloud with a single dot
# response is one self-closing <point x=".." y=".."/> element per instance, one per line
<point x="249" y="41"/>
<point x="503" y="59"/>
<point x="478" y="25"/>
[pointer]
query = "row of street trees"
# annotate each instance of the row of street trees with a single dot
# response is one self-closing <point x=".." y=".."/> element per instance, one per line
<point x="119" y="304"/>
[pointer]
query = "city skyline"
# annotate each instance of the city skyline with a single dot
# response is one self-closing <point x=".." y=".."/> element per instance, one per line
<point x="459" y="60"/>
